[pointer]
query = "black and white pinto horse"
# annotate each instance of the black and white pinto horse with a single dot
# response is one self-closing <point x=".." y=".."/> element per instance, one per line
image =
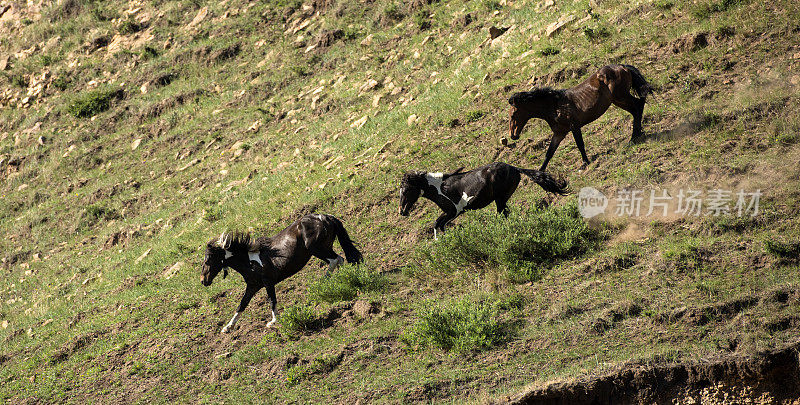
<point x="266" y="261"/>
<point x="459" y="191"/>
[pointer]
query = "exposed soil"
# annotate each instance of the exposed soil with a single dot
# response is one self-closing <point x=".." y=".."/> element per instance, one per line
<point x="771" y="377"/>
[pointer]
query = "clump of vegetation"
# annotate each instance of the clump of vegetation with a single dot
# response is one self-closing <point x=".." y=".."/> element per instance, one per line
<point x="61" y="82"/>
<point x="148" y="52"/>
<point x="522" y="246"/>
<point x="92" y="103"/>
<point x="321" y="364"/>
<point x="346" y="283"/>
<point x="704" y="11"/>
<point x="549" y="50"/>
<point x="16" y="78"/>
<point x="684" y="255"/>
<point x="129" y="26"/>
<point x="784" y="250"/>
<point x="475" y="115"/>
<point x="393" y="13"/>
<point x="422" y="20"/>
<point x="465" y="324"/>
<point x="595" y="33"/>
<point x="299" y="318"/>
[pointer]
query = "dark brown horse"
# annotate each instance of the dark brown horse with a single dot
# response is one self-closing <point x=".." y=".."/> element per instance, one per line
<point x="570" y="109"/>
<point x="265" y="262"/>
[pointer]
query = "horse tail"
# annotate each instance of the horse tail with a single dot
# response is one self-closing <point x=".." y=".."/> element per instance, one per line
<point x="350" y="252"/>
<point x="640" y="85"/>
<point x="546" y="181"/>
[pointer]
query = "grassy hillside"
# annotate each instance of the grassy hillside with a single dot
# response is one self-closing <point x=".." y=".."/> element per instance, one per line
<point x="133" y="132"/>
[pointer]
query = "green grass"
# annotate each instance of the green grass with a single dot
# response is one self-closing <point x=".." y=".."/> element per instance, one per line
<point x="92" y="103"/>
<point x="91" y="226"/>
<point x="347" y="282"/>
<point x="522" y="247"/>
<point x="463" y="324"/>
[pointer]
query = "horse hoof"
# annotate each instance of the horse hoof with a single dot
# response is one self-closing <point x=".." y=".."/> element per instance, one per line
<point x="225" y="331"/>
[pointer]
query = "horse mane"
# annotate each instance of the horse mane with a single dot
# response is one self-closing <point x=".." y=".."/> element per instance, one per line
<point x="415" y="178"/>
<point x="238" y="241"/>
<point x="455" y="172"/>
<point x="525" y="97"/>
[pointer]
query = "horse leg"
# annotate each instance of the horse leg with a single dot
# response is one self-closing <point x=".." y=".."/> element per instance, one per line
<point x="554" y="142"/>
<point x="328" y="256"/>
<point x="502" y="207"/>
<point x="633" y="105"/>
<point x="576" y="132"/>
<point x="249" y="292"/>
<point x="273" y="300"/>
<point x="441" y="222"/>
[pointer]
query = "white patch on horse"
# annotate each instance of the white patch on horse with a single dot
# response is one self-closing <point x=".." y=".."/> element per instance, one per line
<point x="435" y="179"/>
<point x="465" y="199"/>
<point x="228" y="254"/>
<point x="255" y="257"/>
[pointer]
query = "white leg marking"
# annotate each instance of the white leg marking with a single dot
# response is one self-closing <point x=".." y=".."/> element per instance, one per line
<point x="334" y="264"/>
<point x="230" y="324"/>
<point x="274" y="319"/>
<point x="434" y="234"/>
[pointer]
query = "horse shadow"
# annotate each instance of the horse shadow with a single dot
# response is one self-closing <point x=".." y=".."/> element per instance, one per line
<point x="690" y="126"/>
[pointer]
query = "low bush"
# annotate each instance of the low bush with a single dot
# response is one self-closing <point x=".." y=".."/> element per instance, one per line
<point x="346" y="283"/>
<point x="465" y="324"/>
<point x="522" y="246"/>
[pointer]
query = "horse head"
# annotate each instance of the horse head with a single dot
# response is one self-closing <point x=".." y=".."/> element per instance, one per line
<point x="216" y="252"/>
<point x="537" y="103"/>
<point x="411" y="187"/>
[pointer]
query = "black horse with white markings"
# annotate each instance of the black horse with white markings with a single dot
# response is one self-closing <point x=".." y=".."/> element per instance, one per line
<point x="265" y="261"/>
<point x="459" y="191"/>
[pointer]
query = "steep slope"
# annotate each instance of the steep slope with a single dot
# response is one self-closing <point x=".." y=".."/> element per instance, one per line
<point x="132" y="132"/>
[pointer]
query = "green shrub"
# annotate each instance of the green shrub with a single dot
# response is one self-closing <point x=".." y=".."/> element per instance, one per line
<point x="299" y="318"/>
<point x="522" y="245"/>
<point x="704" y="11"/>
<point x="92" y="103"/>
<point x="783" y="250"/>
<point x="549" y="50"/>
<point x="346" y="283"/>
<point x="596" y="33"/>
<point x="683" y="255"/>
<point x="465" y="324"/>
<point x="475" y="115"/>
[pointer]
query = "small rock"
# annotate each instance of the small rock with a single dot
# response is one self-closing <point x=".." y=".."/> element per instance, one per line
<point x="795" y="80"/>
<point x="172" y="271"/>
<point x="412" y="119"/>
<point x="201" y="15"/>
<point x="223" y="355"/>
<point x="376" y="101"/>
<point x="140" y="258"/>
<point x="367" y="41"/>
<point x="135" y="144"/>
<point x="369" y="85"/>
<point x="4" y="324"/>
<point x="558" y="25"/>
<point x="359" y="122"/>
<point x="22" y="187"/>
